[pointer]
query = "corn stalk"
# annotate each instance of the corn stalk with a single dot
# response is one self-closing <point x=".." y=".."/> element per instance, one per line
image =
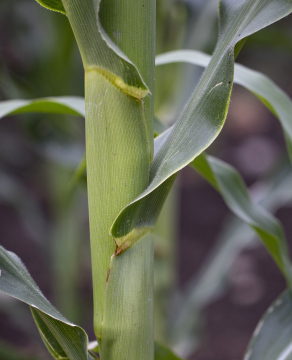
<point x="126" y="189"/>
<point x="119" y="146"/>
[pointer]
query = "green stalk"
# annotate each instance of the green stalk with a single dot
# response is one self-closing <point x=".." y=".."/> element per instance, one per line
<point x="117" y="169"/>
<point x="119" y="143"/>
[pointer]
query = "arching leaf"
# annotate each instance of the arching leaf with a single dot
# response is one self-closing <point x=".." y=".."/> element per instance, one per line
<point x="230" y="185"/>
<point x="204" y="115"/>
<point x="272" y="338"/>
<point x="260" y="85"/>
<point x="61" y="105"/>
<point x="161" y="352"/>
<point x="62" y="338"/>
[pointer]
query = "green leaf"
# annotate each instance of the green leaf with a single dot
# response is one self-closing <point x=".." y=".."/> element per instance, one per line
<point x="55" y="5"/>
<point x="93" y="346"/>
<point x="272" y="338"/>
<point x="260" y="85"/>
<point x="233" y="190"/>
<point x="210" y="283"/>
<point x="62" y="338"/>
<point x="161" y="352"/>
<point x="280" y="104"/>
<point x="203" y="117"/>
<point x="267" y="227"/>
<point x="61" y="105"/>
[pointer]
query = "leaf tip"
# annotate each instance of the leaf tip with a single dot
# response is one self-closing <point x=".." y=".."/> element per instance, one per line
<point x="54" y="5"/>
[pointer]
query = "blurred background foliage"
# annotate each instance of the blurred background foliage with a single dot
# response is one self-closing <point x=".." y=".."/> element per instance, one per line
<point x="213" y="280"/>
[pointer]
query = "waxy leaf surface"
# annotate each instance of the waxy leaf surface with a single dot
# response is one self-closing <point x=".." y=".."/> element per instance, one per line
<point x="233" y="190"/>
<point x="63" y="339"/>
<point x="260" y="85"/>
<point x="161" y="352"/>
<point x="60" y="105"/>
<point x="272" y="338"/>
<point x="203" y="116"/>
<point x="236" y="196"/>
<point x="212" y="280"/>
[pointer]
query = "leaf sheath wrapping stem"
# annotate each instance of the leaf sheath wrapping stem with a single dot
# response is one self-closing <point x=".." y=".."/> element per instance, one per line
<point x="128" y="313"/>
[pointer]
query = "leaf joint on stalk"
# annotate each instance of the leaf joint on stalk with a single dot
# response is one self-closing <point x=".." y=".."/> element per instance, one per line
<point x="132" y="91"/>
<point x="130" y="239"/>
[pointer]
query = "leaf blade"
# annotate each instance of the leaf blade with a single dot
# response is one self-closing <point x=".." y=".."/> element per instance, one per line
<point x="55" y="5"/>
<point x="161" y="352"/>
<point x="209" y="284"/>
<point x="182" y="143"/>
<point x="230" y="185"/>
<point x="260" y="85"/>
<point x="271" y="339"/>
<point x="54" y="105"/>
<point x="17" y="282"/>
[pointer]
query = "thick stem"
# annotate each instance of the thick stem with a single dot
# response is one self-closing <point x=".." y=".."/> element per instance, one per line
<point x="131" y="26"/>
<point x="117" y="170"/>
<point x="119" y="148"/>
<point x="128" y="316"/>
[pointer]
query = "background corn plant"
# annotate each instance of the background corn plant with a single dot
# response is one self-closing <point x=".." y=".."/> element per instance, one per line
<point x="175" y="148"/>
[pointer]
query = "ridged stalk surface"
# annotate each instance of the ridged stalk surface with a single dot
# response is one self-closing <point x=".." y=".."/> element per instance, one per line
<point x="119" y="150"/>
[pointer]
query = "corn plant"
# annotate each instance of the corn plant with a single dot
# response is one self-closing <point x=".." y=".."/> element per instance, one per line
<point x="129" y="174"/>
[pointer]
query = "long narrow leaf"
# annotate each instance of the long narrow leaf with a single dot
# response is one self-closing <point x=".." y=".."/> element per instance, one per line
<point x="272" y="338"/>
<point x="274" y="98"/>
<point x="60" y="105"/>
<point x="280" y="104"/>
<point x="260" y="85"/>
<point x="211" y="281"/>
<point x="235" y="236"/>
<point x="204" y="115"/>
<point x="163" y="353"/>
<point x="227" y="181"/>
<point x="231" y="186"/>
<point x="62" y="338"/>
<point x="267" y="227"/>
